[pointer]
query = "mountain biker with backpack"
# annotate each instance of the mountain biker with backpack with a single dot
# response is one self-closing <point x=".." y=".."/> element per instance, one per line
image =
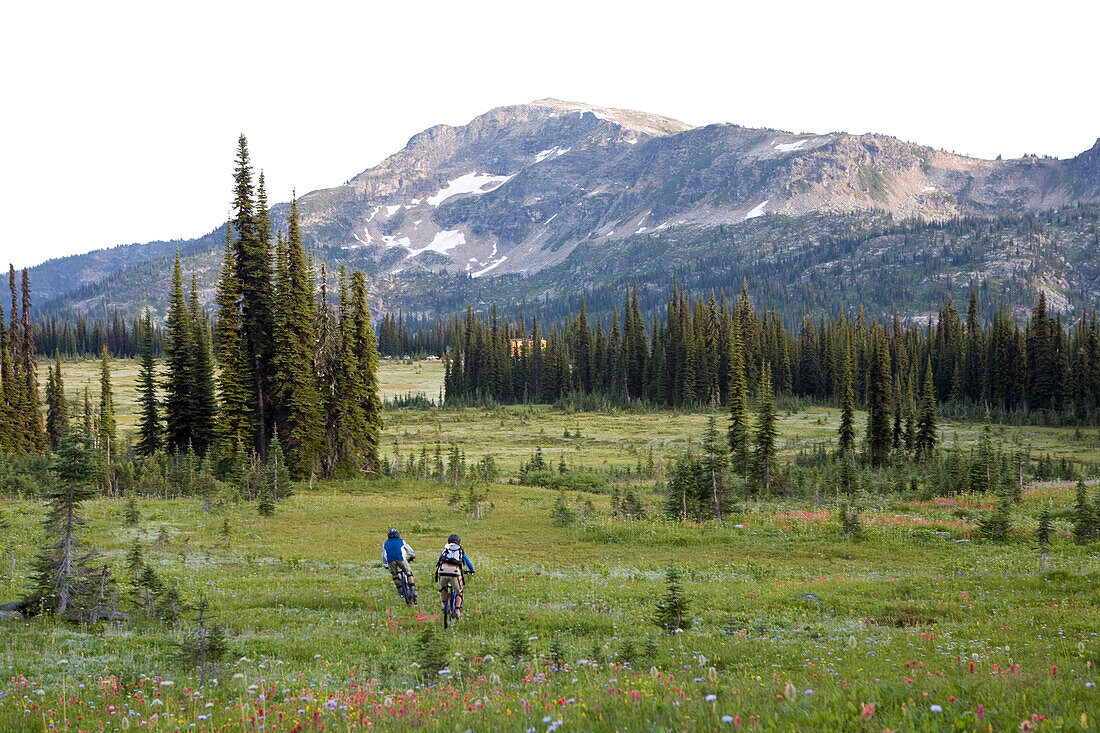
<point x="449" y="570"/>
<point x="396" y="554"/>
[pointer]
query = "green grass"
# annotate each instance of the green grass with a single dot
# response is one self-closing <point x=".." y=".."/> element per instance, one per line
<point x="620" y="439"/>
<point x="313" y="615"/>
<point x="796" y="627"/>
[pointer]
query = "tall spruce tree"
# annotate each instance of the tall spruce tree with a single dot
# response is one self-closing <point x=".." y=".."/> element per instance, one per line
<point x="203" y="407"/>
<point x="36" y="432"/>
<point x="878" y="401"/>
<point x="8" y="436"/>
<point x="107" y="426"/>
<point x="365" y="349"/>
<point x="326" y="365"/>
<point x="764" y="450"/>
<point x="925" y="442"/>
<point x="897" y="433"/>
<point x="57" y="409"/>
<point x="910" y="416"/>
<point x="15" y="385"/>
<point x="847" y="415"/>
<point x="88" y="421"/>
<point x="180" y="385"/>
<point x="348" y="425"/>
<point x="149" y="427"/>
<point x="235" y="416"/>
<point x="252" y="228"/>
<point x="295" y="382"/>
<point x="738" y="404"/>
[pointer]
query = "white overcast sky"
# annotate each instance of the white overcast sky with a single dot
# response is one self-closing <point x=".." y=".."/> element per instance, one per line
<point x="119" y="120"/>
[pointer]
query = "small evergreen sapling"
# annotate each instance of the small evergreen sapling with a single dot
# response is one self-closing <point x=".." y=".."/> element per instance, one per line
<point x="206" y="485"/>
<point x="432" y="651"/>
<point x="1084" y="517"/>
<point x="1043" y="535"/>
<point x="628" y="653"/>
<point x="61" y="581"/>
<point x="537" y="462"/>
<point x="276" y="473"/>
<point x="132" y="516"/>
<point x="997" y="523"/>
<point x="266" y="506"/>
<point x="135" y="561"/>
<point x="518" y="644"/>
<point x="159" y="600"/>
<point x="850" y="524"/>
<point x="561" y="514"/>
<point x="557" y="651"/>
<point x="671" y="612"/>
<point x="205" y="646"/>
<point x="275" y="481"/>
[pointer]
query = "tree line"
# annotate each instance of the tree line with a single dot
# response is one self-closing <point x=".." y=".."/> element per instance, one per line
<point x="85" y="337"/>
<point x="1047" y="369"/>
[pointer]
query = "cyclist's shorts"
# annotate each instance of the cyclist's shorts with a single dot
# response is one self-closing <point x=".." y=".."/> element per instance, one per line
<point x="450" y="576"/>
<point x="453" y="582"/>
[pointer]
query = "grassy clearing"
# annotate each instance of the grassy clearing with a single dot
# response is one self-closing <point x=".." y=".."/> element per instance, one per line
<point x="597" y="439"/>
<point x="778" y="596"/>
<point x="920" y="626"/>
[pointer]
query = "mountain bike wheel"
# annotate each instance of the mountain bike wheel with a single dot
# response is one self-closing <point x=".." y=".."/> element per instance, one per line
<point x="448" y="599"/>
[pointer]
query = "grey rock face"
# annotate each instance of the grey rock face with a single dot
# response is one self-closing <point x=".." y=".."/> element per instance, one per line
<point x="581" y="196"/>
<point x="518" y="188"/>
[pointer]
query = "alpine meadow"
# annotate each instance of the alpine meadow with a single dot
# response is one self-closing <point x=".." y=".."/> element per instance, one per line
<point x="570" y="418"/>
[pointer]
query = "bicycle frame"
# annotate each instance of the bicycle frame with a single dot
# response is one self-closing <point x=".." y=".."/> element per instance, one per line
<point x="449" y="607"/>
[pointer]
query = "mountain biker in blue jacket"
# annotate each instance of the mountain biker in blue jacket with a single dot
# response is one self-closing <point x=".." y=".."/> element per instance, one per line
<point x="449" y="570"/>
<point x="396" y="554"/>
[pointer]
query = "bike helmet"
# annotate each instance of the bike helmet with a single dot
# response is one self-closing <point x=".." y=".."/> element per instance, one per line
<point x="393" y="533"/>
<point x="454" y="540"/>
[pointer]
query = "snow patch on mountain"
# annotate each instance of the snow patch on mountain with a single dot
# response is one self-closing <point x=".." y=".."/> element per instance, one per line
<point x="442" y="243"/>
<point x="788" y="147"/>
<point x="475" y="183"/>
<point x="757" y="210"/>
<point x="484" y="270"/>
<point x="582" y="110"/>
<point x="396" y="241"/>
<point x="557" y="151"/>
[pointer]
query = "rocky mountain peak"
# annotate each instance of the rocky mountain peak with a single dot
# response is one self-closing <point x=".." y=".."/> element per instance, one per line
<point x="521" y="189"/>
<point x="644" y="122"/>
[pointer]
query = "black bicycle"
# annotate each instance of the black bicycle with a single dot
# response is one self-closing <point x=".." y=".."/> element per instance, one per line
<point x="406" y="589"/>
<point x="450" y="612"/>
